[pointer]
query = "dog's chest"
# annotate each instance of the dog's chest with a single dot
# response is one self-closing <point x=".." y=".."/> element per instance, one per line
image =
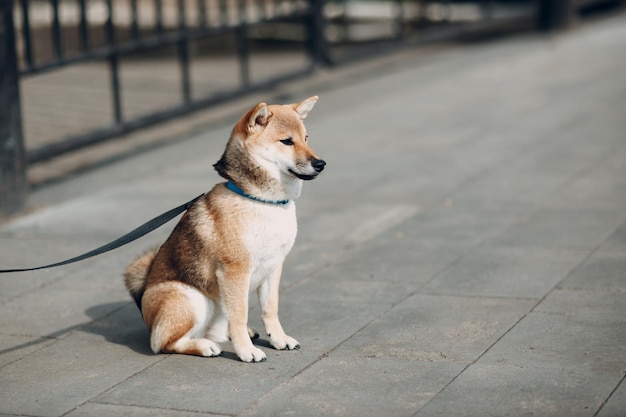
<point x="270" y="235"/>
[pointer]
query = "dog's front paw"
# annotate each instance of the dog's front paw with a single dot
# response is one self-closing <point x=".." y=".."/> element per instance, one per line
<point x="253" y="354"/>
<point x="284" y="343"/>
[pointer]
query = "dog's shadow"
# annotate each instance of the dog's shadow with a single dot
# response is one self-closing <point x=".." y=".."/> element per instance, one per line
<point x="119" y="323"/>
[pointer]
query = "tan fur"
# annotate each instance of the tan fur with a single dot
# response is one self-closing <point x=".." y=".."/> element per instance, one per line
<point x="135" y="275"/>
<point x="193" y="290"/>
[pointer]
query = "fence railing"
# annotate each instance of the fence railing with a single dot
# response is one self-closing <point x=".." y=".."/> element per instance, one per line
<point x="125" y="33"/>
<point x="43" y="36"/>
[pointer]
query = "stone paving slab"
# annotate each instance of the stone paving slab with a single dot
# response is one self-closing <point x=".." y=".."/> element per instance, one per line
<point x="616" y="403"/>
<point x="604" y="269"/>
<point x="617" y="241"/>
<point x="15" y="347"/>
<point x="66" y="374"/>
<point x="559" y="341"/>
<point x="437" y="328"/>
<point x="465" y="223"/>
<point x="113" y="410"/>
<point x="506" y="272"/>
<point x="557" y="228"/>
<point x="497" y="390"/>
<point x="383" y="259"/>
<point x="603" y="187"/>
<point x="375" y="387"/>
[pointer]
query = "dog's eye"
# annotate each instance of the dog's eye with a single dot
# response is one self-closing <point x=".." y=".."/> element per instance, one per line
<point x="288" y="142"/>
<point x="306" y="138"/>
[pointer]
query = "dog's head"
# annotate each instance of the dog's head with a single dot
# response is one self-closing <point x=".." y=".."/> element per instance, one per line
<point x="274" y="138"/>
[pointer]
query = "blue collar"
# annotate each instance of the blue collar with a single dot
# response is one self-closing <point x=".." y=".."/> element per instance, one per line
<point x="232" y="187"/>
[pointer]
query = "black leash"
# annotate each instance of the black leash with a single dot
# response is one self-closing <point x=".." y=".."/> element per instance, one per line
<point x="142" y="230"/>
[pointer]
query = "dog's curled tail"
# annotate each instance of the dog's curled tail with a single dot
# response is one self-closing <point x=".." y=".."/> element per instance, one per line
<point x="136" y="273"/>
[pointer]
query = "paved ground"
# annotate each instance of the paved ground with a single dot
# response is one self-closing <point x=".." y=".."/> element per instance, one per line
<point x="463" y="255"/>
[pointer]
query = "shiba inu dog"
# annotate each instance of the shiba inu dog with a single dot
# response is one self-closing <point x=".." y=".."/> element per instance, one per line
<point x="193" y="290"/>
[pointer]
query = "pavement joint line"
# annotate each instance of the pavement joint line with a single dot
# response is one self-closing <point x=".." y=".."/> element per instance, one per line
<point x="579" y="265"/>
<point x="542" y="299"/>
<point x="416" y="414"/>
<point x="146" y="407"/>
<point x="320" y="357"/>
<point x="203" y="413"/>
<point x="531" y="310"/>
<point x="39" y="340"/>
<point x="102" y="392"/>
<point x="557" y="286"/>
<point x="606" y="400"/>
<point x="599" y="290"/>
<point x="539" y="301"/>
<point x="38" y="287"/>
<point x="474" y="296"/>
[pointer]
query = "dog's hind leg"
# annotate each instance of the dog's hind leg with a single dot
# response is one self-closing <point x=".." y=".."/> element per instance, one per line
<point x="197" y="347"/>
<point x="254" y="335"/>
<point x="218" y="329"/>
<point x="177" y="316"/>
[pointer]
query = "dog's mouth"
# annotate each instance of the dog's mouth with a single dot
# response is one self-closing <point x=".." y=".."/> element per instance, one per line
<point x="303" y="176"/>
<point x="318" y="166"/>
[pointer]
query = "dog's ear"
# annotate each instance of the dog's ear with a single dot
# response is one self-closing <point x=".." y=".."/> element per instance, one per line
<point x="304" y="107"/>
<point x="259" y="117"/>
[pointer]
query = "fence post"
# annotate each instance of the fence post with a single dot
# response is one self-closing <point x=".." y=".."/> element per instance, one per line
<point x="555" y="14"/>
<point x="317" y="33"/>
<point x="13" y="185"/>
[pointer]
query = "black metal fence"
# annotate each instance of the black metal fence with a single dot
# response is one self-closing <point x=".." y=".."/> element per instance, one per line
<point x="43" y="36"/>
<point x="232" y="20"/>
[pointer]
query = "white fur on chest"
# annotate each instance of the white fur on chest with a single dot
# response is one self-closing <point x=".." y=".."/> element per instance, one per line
<point x="269" y="236"/>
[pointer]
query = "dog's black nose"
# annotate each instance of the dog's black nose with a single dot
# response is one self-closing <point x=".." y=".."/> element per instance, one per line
<point x="318" y="165"/>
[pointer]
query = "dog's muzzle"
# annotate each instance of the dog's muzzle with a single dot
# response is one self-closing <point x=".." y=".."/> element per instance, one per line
<point x="317" y="164"/>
